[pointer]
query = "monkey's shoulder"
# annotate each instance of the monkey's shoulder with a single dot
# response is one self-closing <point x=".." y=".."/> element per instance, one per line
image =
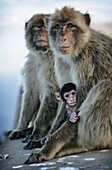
<point x="100" y="40"/>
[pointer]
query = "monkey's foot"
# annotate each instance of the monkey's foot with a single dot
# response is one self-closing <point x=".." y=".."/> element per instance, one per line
<point x="26" y="139"/>
<point x="34" y="158"/>
<point x="31" y="137"/>
<point x="33" y="144"/>
<point x="17" y="134"/>
<point x="8" y="133"/>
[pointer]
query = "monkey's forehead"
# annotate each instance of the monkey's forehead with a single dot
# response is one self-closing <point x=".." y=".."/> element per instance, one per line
<point x="66" y="14"/>
<point x="37" y="18"/>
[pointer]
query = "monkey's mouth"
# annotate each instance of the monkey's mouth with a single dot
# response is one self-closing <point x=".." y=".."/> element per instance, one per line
<point x="41" y="43"/>
<point x="65" y="49"/>
<point x="41" y="48"/>
<point x="72" y="104"/>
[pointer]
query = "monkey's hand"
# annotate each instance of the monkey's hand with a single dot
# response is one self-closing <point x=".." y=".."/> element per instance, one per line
<point x="17" y="134"/>
<point x="48" y="139"/>
<point x="74" y="118"/>
<point x="34" y="158"/>
<point x="33" y="144"/>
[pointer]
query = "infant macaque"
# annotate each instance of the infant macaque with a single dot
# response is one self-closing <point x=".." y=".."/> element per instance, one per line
<point x="67" y="94"/>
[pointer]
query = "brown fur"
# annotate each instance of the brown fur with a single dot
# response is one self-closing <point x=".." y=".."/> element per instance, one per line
<point x="38" y="80"/>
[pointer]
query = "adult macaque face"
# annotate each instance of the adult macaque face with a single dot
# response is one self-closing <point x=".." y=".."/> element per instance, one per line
<point x="36" y="34"/>
<point x="70" y="97"/>
<point x="64" y="36"/>
<point x="39" y="36"/>
<point x="68" y="31"/>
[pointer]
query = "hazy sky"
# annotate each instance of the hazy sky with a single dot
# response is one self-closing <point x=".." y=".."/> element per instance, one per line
<point x="14" y="13"/>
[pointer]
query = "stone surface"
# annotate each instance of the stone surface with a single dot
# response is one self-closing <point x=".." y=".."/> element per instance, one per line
<point x="95" y="160"/>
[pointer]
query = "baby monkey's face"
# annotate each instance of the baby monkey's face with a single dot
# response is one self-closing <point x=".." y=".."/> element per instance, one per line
<point x="70" y="97"/>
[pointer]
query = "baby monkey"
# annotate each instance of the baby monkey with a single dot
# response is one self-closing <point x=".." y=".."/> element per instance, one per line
<point x="67" y="94"/>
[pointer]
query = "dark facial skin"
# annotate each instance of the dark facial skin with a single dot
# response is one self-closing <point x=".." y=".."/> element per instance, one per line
<point x="40" y="40"/>
<point x="64" y="36"/>
<point x="36" y="35"/>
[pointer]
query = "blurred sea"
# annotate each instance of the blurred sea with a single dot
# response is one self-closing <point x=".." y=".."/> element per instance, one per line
<point x="9" y="91"/>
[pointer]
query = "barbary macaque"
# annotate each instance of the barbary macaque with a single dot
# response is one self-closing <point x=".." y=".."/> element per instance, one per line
<point x="67" y="94"/>
<point x="38" y="80"/>
<point x="89" y="54"/>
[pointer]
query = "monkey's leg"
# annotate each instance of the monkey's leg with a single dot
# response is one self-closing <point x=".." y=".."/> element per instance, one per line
<point x="95" y="127"/>
<point x="71" y="148"/>
<point x="30" y="104"/>
<point x="31" y="144"/>
<point x="59" y="139"/>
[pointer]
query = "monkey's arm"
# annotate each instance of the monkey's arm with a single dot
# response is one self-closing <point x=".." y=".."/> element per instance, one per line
<point x="46" y="114"/>
<point x="30" y="104"/>
<point x="18" y="109"/>
<point x="58" y="140"/>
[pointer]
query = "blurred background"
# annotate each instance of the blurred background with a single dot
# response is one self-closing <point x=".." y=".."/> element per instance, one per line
<point x="13" y="15"/>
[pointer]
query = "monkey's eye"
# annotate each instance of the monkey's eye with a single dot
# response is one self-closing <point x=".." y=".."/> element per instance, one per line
<point x="73" y="93"/>
<point x="57" y="26"/>
<point x="36" y="28"/>
<point x="71" y="26"/>
<point x="66" y="95"/>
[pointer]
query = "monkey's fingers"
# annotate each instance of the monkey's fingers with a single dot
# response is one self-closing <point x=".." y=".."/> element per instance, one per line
<point x="74" y="119"/>
<point x="48" y="139"/>
<point x="99" y="147"/>
<point x="74" y="114"/>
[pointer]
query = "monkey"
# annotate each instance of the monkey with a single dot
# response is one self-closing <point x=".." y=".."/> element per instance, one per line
<point x="67" y="94"/>
<point x="38" y="80"/>
<point x="89" y="54"/>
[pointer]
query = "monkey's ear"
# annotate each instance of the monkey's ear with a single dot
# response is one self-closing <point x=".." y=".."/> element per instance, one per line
<point x="46" y="20"/>
<point x="87" y="18"/>
<point x="58" y="97"/>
